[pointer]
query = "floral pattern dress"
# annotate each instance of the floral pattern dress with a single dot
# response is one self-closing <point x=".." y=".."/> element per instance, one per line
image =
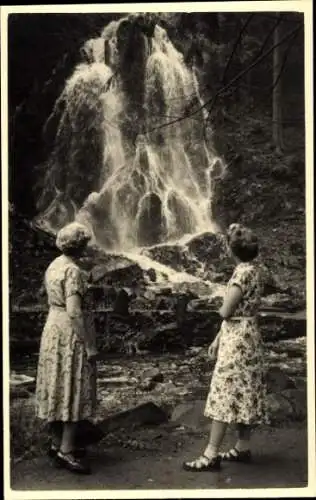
<point x="238" y="392"/>
<point x="66" y="381"/>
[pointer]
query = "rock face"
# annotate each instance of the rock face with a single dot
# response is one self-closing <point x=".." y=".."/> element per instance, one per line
<point x="210" y="249"/>
<point x="124" y="274"/>
<point x="175" y="256"/>
<point x="139" y="308"/>
<point x="204" y="256"/>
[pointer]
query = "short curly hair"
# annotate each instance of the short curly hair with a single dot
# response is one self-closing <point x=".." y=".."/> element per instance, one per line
<point x="72" y="238"/>
<point x="242" y="242"/>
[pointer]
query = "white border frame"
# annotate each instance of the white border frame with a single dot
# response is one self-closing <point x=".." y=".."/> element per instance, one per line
<point x="303" y="6"/>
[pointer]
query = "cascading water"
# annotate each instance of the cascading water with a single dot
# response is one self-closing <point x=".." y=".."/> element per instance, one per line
<point x="127" y="160"/>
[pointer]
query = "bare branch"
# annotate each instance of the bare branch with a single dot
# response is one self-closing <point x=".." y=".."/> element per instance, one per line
<point x="237" y="42"/>
<point x="240" y="75"/>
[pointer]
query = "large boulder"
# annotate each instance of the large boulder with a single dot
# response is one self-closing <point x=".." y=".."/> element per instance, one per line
<point x="210" y="249"/>
<point x="118" y="272"/>
<point x="206" y="303"/>
<point x="176" y="256"/>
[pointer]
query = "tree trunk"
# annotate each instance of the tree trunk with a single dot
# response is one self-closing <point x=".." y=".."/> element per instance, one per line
<point x="238" y="64"/>
<point x="221" y="37"/>
<point x="277" y="126"/>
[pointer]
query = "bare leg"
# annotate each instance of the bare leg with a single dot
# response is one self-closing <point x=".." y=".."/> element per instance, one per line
<point x="217" y="434"/>
<point x="66" y="455"/>
<point x="210" y="458"/>
<point x="56" y="430"/>
<point x="68" y="437"/>
<point x="241" y="451"/>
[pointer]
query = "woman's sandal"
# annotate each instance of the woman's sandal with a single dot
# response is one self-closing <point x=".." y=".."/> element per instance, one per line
<point x="234" y="455"/>
<point x="202" y="464"/>
<point x="78" y="452"/>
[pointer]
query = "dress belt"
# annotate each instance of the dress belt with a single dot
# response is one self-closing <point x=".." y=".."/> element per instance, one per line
<point x="241" y="318"/>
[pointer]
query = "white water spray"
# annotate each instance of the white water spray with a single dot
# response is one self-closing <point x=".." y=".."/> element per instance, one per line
<point x="154" y="177"/>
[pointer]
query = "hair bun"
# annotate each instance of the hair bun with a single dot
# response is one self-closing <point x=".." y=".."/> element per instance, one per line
<point x="72" y="236"/>
<point x="242" y="239"/>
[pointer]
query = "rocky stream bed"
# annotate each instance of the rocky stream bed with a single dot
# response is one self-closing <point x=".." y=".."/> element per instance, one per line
<point x="154" y="320"/>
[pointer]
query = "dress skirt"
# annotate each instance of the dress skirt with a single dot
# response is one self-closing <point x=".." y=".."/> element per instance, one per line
<point x="66" y="380"/>
<point x="238" y="390"/>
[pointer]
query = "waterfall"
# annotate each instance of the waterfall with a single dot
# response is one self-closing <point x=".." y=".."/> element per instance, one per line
<point x="130" y="160"/>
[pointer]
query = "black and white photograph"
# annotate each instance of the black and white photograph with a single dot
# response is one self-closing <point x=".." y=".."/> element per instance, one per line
<point x="157" y="201"/>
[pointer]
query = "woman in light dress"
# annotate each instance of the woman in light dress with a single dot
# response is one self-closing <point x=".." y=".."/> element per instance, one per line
<point x="66" y="374"/>
<point x="237" y="391"/>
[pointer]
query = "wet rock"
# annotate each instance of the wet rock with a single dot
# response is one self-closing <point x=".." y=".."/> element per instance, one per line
<point x="161" y="337"/>
<point x="150" y="379"/>
<point x="117" y="271"/>
<point x="163" y="304"/>
<point x="147" y="385"/>
<point x="98" y="273"/>
<point x="205" y="304"/>
<point x="208" y="246"/>
<point x="181" y="305"/>
<point x="154" y="374"/>
<point x="151" y="227"/>
<point x="175" y="256"/>
<point x="279" y="301"/>
<point x="211" y="250"/>
<point x="198" y="288"/>
<point x="164" y="290"/>
<point x="122" y="302"/>
<point x="100" y="296"/>
<point x="152" y="275"/>
<point x="215" y="277"/>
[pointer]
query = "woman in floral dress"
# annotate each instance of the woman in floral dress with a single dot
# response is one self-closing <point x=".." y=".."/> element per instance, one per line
<point x="65" y="387"/>
<point x="237" y="391"/>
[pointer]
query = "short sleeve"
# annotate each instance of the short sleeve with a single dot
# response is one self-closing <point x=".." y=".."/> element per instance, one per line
<point x="73" y="282"/>
<point x="242" y="277"/>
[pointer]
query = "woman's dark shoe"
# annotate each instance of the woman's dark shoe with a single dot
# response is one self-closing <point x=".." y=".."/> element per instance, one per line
<point x="78" y="453"/>
<point x="203" y="464"/>
<point x="70" y="462"/>
<point x="235" y="455"/>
